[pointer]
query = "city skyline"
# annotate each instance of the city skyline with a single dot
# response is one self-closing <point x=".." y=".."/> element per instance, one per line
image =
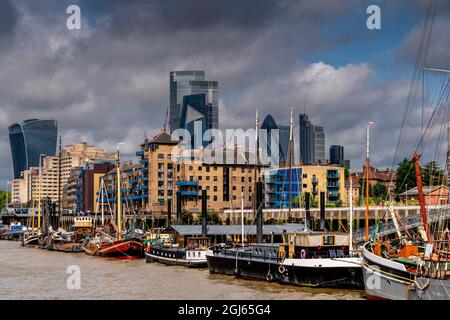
<point x="342" y="72"/>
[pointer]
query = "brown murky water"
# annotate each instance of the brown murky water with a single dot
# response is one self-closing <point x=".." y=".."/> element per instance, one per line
<point x="31" y="273"/>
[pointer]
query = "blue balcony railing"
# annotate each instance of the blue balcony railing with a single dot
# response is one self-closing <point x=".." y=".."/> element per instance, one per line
<point x="139" y="153"/>
<point x="193" y="193"/>
<point x="187" y="183"/>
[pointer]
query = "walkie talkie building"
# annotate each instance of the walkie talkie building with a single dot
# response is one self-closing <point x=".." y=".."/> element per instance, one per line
<point x="29" y="139"/>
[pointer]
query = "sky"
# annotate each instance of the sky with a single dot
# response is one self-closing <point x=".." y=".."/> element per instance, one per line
<point x="109" y="81"/>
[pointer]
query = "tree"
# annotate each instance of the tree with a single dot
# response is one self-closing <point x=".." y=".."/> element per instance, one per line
<point x="299" y="201"/>
<point x="3" y="197"/>
<point x="406" y="176"/>
<point x="213" y="218"/>
<point x="432" y="174"/>
<point x="379" y="191"/>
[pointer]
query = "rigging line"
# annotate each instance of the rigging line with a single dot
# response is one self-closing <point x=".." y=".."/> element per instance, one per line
<point x="410" y="97"/>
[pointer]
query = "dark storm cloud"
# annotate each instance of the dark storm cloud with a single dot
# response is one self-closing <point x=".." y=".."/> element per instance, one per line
<point x="109" y="82"/>
<point x="8" y="21"/>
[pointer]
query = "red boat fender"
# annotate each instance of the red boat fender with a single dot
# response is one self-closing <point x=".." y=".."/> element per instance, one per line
<point x="148" y="246"/>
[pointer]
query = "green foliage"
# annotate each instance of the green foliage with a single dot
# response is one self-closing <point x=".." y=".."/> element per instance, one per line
<point x="406" y="176"/>
<point x="299" y="201"/>
<point x="3" y="196"/>
<point x="379" y="191"/>
<point x="432" y="174"/>
<point x="187" y="217"/>
<point x="213" y="218"/>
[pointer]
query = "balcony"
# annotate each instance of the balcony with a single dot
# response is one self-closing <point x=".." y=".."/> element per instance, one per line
<point x="332" y="185"/>
<point x="332" y="175"/>
<point x="139" y="153"/>
<point x="193" y="193"/>
<point x="144" y="170"/>
<point x="187" y="183"/>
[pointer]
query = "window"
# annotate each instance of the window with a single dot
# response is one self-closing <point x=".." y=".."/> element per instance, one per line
<point x="234" y="168"/>
<point x="215" y="178"/>
<point x="207" y="168"/>
<point x="199" y="168"/>
<point x="215" y="189"/>
<point x="215" y="198"/>
<point x="191" y="168"/>
<point x="234" y="188"/>
<point x="199" y="178"/>
<point x="242" y="189"/>
<point x="305" y="186"/>
<point x="169" y="156"/>
<point x="191" y="178"/>
<point x="207" y="187"/>
<point x="242" y="170"/>
<point x="160" y="156"/>
<point x="207" y="178"/>
<point x="328" y="240"/>
<point x="242" y="179"/>
<point x="249" y="179"/>
<point x="305" y="176"/>
<point x="215" y="168"/>
<point x="234" y="197"/>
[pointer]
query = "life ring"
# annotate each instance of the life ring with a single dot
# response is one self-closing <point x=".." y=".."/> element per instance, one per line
<point x="281" y="269"/>
<point x="303" y="254"/>
<point x="269" y="277"/>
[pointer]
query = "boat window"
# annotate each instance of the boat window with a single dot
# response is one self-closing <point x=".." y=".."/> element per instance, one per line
<point x="328" y="240"/>
<point x="199" y="254"/>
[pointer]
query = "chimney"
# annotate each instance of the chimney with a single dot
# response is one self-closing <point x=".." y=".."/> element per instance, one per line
<point x="322" y="211"/>
<point x="259" y="212"/>
<point x="204" y="213"/>
<point x="169" y="212"/>
<point x="308" y="212"/>
<point x="178" y="207"/>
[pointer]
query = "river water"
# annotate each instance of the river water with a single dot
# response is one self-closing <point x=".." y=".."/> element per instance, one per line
<point x="32" y="273"/>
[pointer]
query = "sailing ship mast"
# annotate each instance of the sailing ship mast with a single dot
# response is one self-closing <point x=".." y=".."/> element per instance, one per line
<point x="290" y="165"/>
<point x="59" y="181"/>
<point x="119" y="202"/>
<point x="367" y="177"/>
<point x="255" y="166"/>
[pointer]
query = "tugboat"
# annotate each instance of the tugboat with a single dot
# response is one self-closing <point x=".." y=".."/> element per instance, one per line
<point x="189" y="252"/>
<point x="308" y="258"/>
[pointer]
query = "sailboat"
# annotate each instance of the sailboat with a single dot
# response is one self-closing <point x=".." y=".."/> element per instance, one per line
<point x="415" y="266"/>
<point x="114" y="245"/>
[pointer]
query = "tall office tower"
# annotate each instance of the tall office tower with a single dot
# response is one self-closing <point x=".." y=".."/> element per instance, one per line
<point x="196" y="117"/>
<point x="29" y="139"/>
<point x="269" y="124"/>
<point x="319" y="145"/>
<point x="336" y="154"/>
<point x="306" y="139"/>
<point x="186" y="83"/>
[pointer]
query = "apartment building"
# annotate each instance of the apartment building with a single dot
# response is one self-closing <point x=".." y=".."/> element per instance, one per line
<point x="312" y="179"/>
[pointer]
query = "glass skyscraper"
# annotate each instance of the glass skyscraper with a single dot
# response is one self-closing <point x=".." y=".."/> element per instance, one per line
<point x="196" y="112"/>
<point x="186" y="83"/>
<point x="29" y="139"/>
<point x="269" y="124"/>
<point x="336" y="154"/>
<point x="306" y="139"/>
<point x="312" y="142"/>
<point x="319" y="145"/>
